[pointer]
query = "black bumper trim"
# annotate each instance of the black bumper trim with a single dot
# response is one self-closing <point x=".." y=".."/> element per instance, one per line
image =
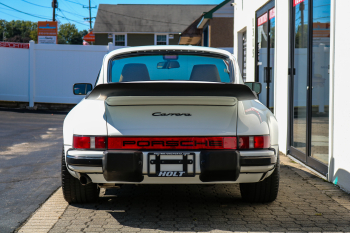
<point x="84" y="161"/>
<point x="219" y="165"/>
<point x="258" y="160"/>
<point x="118" y="165"/>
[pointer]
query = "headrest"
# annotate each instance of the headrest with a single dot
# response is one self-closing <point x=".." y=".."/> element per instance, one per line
<point x="134" y="72"/>
<point x="207" y="72"/>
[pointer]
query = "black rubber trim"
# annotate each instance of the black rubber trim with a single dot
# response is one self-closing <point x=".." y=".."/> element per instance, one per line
<point x="83" y="161"/>
<point x="258" y="160"/>
<point x="121" y="165"/>
<point x="219" y="165"/>
<point x="152" y="88"/>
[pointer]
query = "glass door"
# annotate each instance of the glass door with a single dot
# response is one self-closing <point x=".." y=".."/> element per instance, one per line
<point x="310" y="82"/>
<point x="265" y="53"/>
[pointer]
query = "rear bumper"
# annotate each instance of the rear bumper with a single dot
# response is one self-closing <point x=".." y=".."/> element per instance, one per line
<point x="133" y="166"/>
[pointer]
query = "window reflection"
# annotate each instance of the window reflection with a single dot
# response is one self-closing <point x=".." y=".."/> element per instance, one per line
<point x="320" y="80"/>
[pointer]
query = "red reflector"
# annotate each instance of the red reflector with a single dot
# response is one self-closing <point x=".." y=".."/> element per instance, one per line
<point x="100" y="142"/>
<point x="81" y="142"/>
<point x="261" y="141"/>
<point x="172" y="143"/>
<point x="254" y="142"/>
<point x="243" y="142"/>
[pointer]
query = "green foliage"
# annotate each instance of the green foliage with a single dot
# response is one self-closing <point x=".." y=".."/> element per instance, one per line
<point x="69" y="34"/>
<point x="17" y="30"/>
<point x="24" y="31"/>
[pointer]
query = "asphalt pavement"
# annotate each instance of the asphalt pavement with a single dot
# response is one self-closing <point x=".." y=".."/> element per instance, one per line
<point x="30" y="152"/>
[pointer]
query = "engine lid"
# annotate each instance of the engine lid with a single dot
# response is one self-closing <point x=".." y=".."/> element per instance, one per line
<point x="171" y="116"/>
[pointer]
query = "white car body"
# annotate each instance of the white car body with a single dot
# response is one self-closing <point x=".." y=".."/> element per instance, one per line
<point x="131" y="116"/>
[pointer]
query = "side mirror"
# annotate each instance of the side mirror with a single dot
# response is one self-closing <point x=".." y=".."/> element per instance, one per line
<point x="254" y="86"/>
<point x="81" y="88"/>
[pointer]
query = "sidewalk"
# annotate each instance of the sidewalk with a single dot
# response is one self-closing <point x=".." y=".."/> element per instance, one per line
<point x="305" y="203"/>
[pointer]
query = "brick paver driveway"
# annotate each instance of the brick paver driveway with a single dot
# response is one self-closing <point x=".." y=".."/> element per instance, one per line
<point x="305" y="203"/>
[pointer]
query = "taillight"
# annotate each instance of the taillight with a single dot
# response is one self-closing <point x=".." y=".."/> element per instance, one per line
<point x="172" y="143"/>
<point x="254" y="142"/>
<point x="84" y="142"/>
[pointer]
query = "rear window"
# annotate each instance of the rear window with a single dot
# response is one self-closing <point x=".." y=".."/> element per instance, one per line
<point x="172" y="68"/>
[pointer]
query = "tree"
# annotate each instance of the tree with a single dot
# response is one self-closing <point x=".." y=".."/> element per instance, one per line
<point x="18" y="30"/>
<point x="24" y="31"/>
<point x="69" y="34"/>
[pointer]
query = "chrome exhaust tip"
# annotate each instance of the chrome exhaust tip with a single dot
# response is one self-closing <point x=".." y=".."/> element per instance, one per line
<point x="84" y="179"/>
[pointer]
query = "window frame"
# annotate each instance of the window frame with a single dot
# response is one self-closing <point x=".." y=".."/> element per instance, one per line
<point x="161" y="34"/>
<point x="120" y="34"/>
<point x="234" y="80"/>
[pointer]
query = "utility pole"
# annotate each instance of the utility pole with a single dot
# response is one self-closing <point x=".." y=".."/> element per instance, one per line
<point x="54" y="6"/>
<point x="90" y="18"/>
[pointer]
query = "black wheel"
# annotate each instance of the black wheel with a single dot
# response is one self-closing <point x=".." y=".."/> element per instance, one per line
<point x="73" y="191"/>
<point x="264" y="191"/>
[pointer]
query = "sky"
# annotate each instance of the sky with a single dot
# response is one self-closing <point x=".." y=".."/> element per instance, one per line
<point x="71" y="10"/>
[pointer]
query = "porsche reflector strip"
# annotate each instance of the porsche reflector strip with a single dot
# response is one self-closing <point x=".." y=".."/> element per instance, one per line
<point x="172" y="143"/>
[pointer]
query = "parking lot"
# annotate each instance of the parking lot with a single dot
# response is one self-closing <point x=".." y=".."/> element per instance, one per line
<point x="30" y="172"/>
<point x="30" y="152"/>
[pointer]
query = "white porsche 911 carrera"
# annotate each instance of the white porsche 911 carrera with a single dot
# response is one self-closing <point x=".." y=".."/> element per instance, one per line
<point x="169" y="115"/>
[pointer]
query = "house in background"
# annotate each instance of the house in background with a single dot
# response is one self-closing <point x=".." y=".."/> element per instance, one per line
<point x="144" y="24"/>
<point x="213" y="28"/>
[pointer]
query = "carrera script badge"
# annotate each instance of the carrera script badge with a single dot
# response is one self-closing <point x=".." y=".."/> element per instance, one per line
<point x="170" y="114"/>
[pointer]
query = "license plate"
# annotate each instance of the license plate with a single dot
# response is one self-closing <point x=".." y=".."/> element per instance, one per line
<point x="171" y="164"/>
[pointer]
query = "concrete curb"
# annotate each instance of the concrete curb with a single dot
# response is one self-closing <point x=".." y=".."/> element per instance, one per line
<point x="47" y="215"/>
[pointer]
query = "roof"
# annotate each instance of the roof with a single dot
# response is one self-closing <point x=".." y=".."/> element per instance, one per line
<point x="146" y="17"/>
<point x="191" y="35"/>
<point x="209" y="14"/>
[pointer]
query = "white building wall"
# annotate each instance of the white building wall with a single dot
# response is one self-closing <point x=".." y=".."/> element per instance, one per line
<point x="339" y="167"/>
<point x="282" y="54"/>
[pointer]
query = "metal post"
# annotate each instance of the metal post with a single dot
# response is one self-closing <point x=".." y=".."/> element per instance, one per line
<point x="31" y="74"/>
<point x="90" y="13"/>
<point x="54" y="6"/>
<point x="90" y="18"/>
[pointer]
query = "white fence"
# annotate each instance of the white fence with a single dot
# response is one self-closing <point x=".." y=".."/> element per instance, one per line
<point x="46" y="73"/>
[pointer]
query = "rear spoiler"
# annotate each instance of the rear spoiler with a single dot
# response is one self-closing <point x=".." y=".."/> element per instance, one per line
<point x="103" y="91"/>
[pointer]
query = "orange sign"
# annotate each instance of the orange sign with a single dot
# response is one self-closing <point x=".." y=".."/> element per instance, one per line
<point x="89" y="37"/>
<point x="47" y="32"/>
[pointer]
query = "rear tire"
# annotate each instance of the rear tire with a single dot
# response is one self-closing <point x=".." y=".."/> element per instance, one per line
<point x="264" y="191"/>
<point x="73" y="191"/>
